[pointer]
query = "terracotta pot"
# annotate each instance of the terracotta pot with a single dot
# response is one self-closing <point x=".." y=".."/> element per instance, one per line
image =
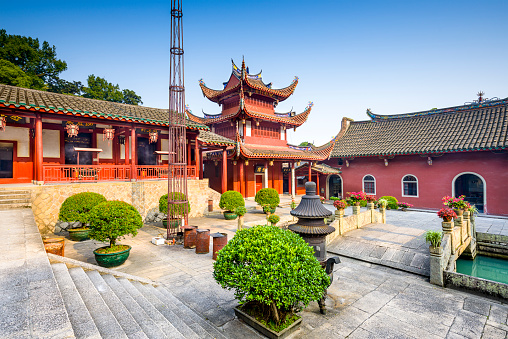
<point x="54" y="245"/>
<point x="447" y="219"/>
<point x="458" y="212"/>
<point x="357" y="203"/>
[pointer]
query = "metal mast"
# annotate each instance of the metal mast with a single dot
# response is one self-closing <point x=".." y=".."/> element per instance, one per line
<point x="177" y="159"/>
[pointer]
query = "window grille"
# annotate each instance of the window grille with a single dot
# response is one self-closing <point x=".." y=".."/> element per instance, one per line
<point x="410" y="186"/>
<point x="369" y="184"/>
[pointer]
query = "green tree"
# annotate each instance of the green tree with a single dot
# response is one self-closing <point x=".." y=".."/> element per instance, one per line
<point x="32" y="58"/>
<point x="130" y="97"/>
<point x="99" y="88"/>
<point x="11" y="74"/>
<point x="65" y="87"/>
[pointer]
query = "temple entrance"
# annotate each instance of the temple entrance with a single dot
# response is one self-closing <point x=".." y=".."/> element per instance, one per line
<point x="146" y="152"/>
<point x="285" y="183"/>
<point x="472" y="186"/>
<point x="259" y="182"/>
<point x="334" y="186"/>
<point x="81" y="140"/>
<point x="6" y="159"/>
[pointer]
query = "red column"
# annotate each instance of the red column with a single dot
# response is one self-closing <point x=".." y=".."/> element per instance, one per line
<point x="132" y="143"/>
<point x="310" y="171"/>
<point x="317" y="183"/>
<point x="224" y="170"/>
<point x="242" y="174"/>
<point x="126" y="146"/>
<point x="197" y="158"/>
<point x="201" y="166"/>
<point x="188" y="153"/>
<point x="38" y="147"/>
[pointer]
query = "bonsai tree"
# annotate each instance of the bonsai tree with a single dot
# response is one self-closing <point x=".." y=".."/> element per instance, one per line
<point x="267" y="196"/>
<point x="273" y="219"/>
<point x="273" y="273"/>
<point x="77" y="207"/>
<point x="112" y="220"/>
<point x="230" y="200"/>
<point x="392" y="202"/>
<point x="176" y="211"/>
<point x="240" y="211"/>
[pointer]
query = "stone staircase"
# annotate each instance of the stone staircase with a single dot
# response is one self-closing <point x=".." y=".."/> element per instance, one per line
<point x="11" y="198"/>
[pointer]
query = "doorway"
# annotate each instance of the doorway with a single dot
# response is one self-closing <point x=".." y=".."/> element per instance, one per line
<point x="81" y="140"/>
<point x="6" y="160"/>
<point x="473" y="187"/>
<point x="334" y="186"/>
<point x="259" y="181"/>
<point x="146" y="152"/>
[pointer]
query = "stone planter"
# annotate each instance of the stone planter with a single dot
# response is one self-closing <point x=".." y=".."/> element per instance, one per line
<point x="111" y="259"/>
<point x="339" y="213"/>
<point x="436" y="251"/>
<point x="228" y="215"/>
<point x="79" y="234"/>
<point x="267" y="332"/>
<point x="356" y="209"/>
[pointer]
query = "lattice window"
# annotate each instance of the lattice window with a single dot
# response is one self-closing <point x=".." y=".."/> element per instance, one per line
<point x="226" y="131"/>
<point x="369" y="184"/>
<point x="266" y="132"/>
<point x="410" y="186"/>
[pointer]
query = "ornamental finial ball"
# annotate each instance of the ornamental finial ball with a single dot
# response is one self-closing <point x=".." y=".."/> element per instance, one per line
<point x="310" y="188"/>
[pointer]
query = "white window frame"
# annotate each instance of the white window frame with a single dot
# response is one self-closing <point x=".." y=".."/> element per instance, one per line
<point x="417" y="186"/>
<point x="363" y="184"/>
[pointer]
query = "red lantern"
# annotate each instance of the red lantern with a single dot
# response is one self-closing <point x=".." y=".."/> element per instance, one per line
<point x="72" y="130"/>
<point x="153" y="136"/>
<point x="3" y="124"/>
<point x="109" y="134"/>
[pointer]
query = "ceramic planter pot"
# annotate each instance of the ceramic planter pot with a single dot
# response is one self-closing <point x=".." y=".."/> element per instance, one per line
<point x="459" y="212"/>
<point x="111" y="259"/>
<point x="269" y="333"/>
<point x="79" y="234"/>
<point x="228" y="215"/>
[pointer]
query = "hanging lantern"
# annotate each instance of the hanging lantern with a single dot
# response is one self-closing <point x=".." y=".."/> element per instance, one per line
<point x="271" y="162"/>
<point x="108" y="134"/>
<point x="234" y="162"/>
<point x="257" y="122"/>
<point x="72" y="130"/>
<point x="429" y="161"/>
<point x="386" y="162"/>
<point x="153" y="136"/>
<point x="247" y="162"/>
<point x="298" y="163"/>
<point x="3" y="124"/>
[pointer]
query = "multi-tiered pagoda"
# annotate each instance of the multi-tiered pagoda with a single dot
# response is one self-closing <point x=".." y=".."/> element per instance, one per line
<point x="262" y="156"/>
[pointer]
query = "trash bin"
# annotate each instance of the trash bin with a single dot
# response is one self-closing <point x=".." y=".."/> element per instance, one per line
<point x="202" y="241"/>
<point x="189" y="236"/>
<point x="54" y="245"/>
<point x="219" y="241"/>
<point x="210" y="205"/>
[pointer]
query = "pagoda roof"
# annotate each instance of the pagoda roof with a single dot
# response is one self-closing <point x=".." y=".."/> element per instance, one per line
<point x="284" y="118"/>
<point x="320" y="168"/>
<point x="252" y="82"/>
<point x="210" y="138"/>
<point x="477" y="126"/>
<point x="64" y="104"/>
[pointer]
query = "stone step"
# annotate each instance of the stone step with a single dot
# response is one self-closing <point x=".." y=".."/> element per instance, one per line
<point x="8" y="191"/>
<point x="14" y="201"/>
<point x="14" y="206"/>
<point x="103" y="317"/>
<point x="149" y="327"/>
<point x="166" y="296"/>
<point x="14" y="195"/>
<point x="122" y="315"/>
<point x="81" y="320"/>
<point x="168" y="311"/>
<point x="164" y="324"/>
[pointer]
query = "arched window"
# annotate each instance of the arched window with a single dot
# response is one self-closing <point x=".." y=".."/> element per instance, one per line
<point x="409" y="186"/>
<point x="369" y="184"/>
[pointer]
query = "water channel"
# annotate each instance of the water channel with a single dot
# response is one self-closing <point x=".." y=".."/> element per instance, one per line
<point x="485" y="267"/>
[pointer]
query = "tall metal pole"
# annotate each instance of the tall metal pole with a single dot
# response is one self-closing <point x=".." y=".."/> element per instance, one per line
<point x="177" y="159"/>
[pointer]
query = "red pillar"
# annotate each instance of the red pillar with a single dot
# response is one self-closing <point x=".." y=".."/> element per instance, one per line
<point x="197" y="158"/>
<point x="188" y="153"/>
<point x="317" y="183"/>
<point x="242" y="178"/>
<point x="310" y="171"/>
<point x="201" y="166"/>
<point x="224" y="170"/>
<point x="38" y="147"/>
<point x="132" y="143"/>
<point x="126" y="146"/>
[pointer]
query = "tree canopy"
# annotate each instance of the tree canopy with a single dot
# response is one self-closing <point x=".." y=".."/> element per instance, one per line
<point x="25" y="62"/>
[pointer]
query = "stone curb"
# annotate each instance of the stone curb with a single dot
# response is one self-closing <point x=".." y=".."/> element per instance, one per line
<point x="53" y="258"/>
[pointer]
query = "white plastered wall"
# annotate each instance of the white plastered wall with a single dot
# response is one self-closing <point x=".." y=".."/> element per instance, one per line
<point x="106" y="146"/>
<point x="21" y="135"/>
<point x="50" y="143"/>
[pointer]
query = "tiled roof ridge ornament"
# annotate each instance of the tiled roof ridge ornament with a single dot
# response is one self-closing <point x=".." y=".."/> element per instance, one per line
<point x="481" y="99"/>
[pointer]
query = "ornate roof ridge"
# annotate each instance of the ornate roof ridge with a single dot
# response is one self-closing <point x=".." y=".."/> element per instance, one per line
<point x="434" y="111"/>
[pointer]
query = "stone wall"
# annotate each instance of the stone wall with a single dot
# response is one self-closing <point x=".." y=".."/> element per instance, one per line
<point x="143" y="195"/>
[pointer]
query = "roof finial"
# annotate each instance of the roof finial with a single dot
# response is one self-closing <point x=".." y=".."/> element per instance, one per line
<point x="480" y="96"/>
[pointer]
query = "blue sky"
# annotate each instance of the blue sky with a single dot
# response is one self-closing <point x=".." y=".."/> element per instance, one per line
<point x="390" y="56"/>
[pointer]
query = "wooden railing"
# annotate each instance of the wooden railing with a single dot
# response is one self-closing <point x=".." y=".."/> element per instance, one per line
<point x="161" y="172"/>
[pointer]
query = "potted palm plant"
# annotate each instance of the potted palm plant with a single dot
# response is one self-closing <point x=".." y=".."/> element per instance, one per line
<point x="110" y="221"/>
<point x="176" y="211"/>
<point x="76" y="208"/>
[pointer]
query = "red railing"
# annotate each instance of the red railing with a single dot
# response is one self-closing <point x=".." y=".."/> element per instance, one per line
<point x="84" y="173"/>
<point x="92" y="173"/>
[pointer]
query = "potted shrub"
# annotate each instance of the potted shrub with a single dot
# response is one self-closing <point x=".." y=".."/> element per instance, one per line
<point x="268" y="196"/>
<point x="434" y="239"/>
<point x="322" y="199"/>
<point x="392" y="202"/>
<point x="404" y="205"/>
<point x="458" y="204"/>
<point x="355" y="198"/>
<point x="110" y="221"/>
<point x="340" y="205"/>
<point x="176" y="211"/>
<point x="274" y="274"/>
<point x="77" y="207"/>
<point x="273" y="219"/>
<point x="446" y="214"/>
<point x="382" y="203"/>
<point x="240" y="211"/>
<point x="293" y="204"/>
<point x="229" y="201"/>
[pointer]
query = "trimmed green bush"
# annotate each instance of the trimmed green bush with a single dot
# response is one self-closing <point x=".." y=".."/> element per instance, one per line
<point x="273" y="219"/>
<point x="272" y="269"/>
<point x="77" y="207"/>
<point x="267" y="196"/>
<point x="175" y="210"/>
<point x="230" y="200"/>
<point x="240" y="211"/>
<point x="392" y="202"/>
<point x="112" y="220"/>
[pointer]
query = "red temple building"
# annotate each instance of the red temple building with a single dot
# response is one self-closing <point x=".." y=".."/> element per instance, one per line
<point x="261" y="156"/>
<point x="420" y="157"/>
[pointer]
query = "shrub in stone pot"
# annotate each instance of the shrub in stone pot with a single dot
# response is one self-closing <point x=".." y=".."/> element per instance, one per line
<point x="392" y="202"/>
<point x="229" y="201"/>
<point x="273" y="273"/>
<point x="267" y="197"/>
<point x="434" y="239"/>
<point x="76" y="208"/>
<point x="176" y="211"/>
<point x="110" y="221"/>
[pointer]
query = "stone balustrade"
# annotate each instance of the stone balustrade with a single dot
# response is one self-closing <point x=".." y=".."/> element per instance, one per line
<point x="357" y="220"/>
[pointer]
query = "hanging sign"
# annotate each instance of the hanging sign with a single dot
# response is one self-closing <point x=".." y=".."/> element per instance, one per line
<point x="259" y="169"/>
<point x="13" y="119"/>
<point x="79" y="124"/>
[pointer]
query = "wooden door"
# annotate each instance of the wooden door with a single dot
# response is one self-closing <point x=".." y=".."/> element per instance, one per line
<point x="259" y="182"/>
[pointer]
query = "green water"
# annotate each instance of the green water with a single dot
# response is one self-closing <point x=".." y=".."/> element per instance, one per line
<point x="485" y="267"/>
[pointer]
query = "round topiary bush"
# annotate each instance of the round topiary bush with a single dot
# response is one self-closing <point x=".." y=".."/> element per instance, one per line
<point x="267" y="196"/>
<point x="273" y="219"/>
<point x="392" y="202"/>
<point x="230" y="200"/>
<point x="272" y="271"/>
<point x="112" y="220"/>
<point x="77" y="207"/>
<point x="175" y="210"/>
